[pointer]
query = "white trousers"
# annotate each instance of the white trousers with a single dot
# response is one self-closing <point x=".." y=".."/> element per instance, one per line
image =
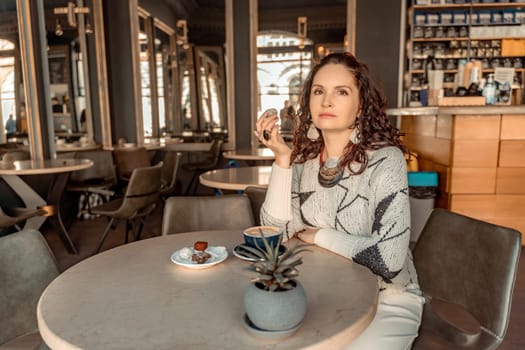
<point x="396" y="323"/>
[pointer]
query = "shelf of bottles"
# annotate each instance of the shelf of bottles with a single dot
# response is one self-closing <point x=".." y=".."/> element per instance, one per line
<point x="454" y="33"/>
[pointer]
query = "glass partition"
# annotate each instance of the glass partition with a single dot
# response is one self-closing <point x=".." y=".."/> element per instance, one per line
<point x="211" y="87"/>
<point x="162" y="65"/>
<point x="145" y="76"/>
<point x="189" y="115"/>
<point x="182" y="86"/>
<point x="156" y="75"/>
<point x="68" y="27"/>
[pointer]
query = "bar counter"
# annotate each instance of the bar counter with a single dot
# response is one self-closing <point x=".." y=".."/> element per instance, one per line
<point x="479" y="153"/>
<point x="459" y="110"/>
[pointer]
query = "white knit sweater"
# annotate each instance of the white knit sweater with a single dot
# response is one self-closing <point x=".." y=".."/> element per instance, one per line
<point x="365" y="217"/>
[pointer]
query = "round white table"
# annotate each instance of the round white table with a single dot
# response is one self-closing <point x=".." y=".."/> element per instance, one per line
<point x="47" y="166"/>
<point x="237" y="178"/>
<point x="11" y="172"/>
<point x="250" y="154"/>
<point x="134" y="297"/>
<point x="73" y="147"/>
<point x="189" y="146"/>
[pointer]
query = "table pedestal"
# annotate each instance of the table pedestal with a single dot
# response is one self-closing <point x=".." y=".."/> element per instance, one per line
<point x="32" y="199"/>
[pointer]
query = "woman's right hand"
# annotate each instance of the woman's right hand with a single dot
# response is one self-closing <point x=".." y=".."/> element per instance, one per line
<point x="268" y="134"/>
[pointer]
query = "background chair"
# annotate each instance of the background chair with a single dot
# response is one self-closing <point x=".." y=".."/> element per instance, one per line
<point x="210" y="161"/>
<point x="11" y="156"/>
<point x="170" y="170"/>
<point x="95" y="183"/>
<point x="127" y="159"/>
<point x="140" y="200"/>
<point x="201" y="213"/>
<point x="27" y="266"/>
<point x="466" y="269"/>
<point x="256" y="195"/>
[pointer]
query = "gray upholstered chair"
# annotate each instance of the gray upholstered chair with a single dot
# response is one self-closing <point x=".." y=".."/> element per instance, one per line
<point x="201" y="213"/>
<point x="256" y="195"/>
<point x="127" y="159"/>
<point x="11" y="156"/>
<point x="170" y="170"/>
<point x="27" y="266"/>
<point x="210" y="162"/>
<point x="140" y="199"/>
<point x="466" y="269"/>
<point x="96" y="182"/>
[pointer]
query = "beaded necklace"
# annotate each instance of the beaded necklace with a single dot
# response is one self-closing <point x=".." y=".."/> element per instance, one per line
<point x="329" y="172"/>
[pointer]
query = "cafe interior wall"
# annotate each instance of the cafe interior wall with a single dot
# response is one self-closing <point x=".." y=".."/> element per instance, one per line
<point x="370" y="15"/>
<point x="379" y="26"/>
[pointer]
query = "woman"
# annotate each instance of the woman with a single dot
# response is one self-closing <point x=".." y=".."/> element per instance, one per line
<point x="347" y="189"/>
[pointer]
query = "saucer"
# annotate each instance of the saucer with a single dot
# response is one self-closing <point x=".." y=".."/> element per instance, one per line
<point x="218" y="255"/>
<point x="239" y="252"/>
<point x="258" y="332"/>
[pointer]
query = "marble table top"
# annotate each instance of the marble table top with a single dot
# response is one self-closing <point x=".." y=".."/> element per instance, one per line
<point x="237" y="178"/>
<point x="133" y="296"/>
<point x="47" y="166"/>
<point x="250" y="154"/>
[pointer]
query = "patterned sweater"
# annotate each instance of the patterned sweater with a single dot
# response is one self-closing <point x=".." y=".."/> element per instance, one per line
<point x="365" y="217"/>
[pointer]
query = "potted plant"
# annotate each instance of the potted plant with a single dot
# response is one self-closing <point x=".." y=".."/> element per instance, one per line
<point x="275" y="300"/>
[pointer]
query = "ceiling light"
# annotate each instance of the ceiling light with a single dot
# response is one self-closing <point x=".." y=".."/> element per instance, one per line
<point x="302" y="29"/>
<point x="58" y="29"/>
<point x="182" y="33"/>
<point x="88" y="29"/>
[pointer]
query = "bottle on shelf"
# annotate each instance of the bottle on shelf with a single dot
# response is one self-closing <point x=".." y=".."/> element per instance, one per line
<point x="459" y="81"/>
<point x="517" y="94"/>
<point x="489" y="91"/>
<point x="430" y="65"/>
<point x="467" y="73"/>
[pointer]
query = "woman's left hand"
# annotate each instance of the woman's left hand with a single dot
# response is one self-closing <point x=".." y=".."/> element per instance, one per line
<point x="307" y="235"/>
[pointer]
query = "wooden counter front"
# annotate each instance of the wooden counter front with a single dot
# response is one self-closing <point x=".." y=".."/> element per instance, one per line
<point x="480" y="158"/>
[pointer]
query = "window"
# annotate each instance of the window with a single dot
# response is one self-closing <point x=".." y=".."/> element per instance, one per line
<point x="7" y="81"/>
<point x="281" y="68"/>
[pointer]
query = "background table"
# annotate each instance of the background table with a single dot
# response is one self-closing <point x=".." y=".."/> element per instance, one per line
<point x="237" y="178"/>
<point x="62" y="168"/>
<point x="252" y="156"/>
<point x="73" y="147"/>
<point x="133" y="296"/>
<point x="189" y="146"/>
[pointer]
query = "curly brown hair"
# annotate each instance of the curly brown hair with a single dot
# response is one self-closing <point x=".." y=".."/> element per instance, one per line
<point x="374" y="129"/>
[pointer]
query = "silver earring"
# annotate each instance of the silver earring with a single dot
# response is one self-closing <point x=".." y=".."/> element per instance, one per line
<point x="313" y="133"/>
<point x="354" y="137"/>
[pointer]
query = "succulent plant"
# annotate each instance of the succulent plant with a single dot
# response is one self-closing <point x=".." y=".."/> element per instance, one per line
<point x="277" y="272"/>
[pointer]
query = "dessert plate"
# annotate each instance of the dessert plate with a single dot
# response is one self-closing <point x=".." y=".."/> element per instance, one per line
<point x="239" y="252"/>
<point x="218" y="255"/>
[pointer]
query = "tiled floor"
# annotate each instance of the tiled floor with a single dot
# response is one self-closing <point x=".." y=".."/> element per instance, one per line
<point x="86" y="235"/>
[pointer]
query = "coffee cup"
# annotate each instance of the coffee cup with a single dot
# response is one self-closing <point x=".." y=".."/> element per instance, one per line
<point x="253" y="238"/>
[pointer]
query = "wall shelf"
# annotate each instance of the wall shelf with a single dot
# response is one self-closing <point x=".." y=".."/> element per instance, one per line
<point x="428" y="18"/>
